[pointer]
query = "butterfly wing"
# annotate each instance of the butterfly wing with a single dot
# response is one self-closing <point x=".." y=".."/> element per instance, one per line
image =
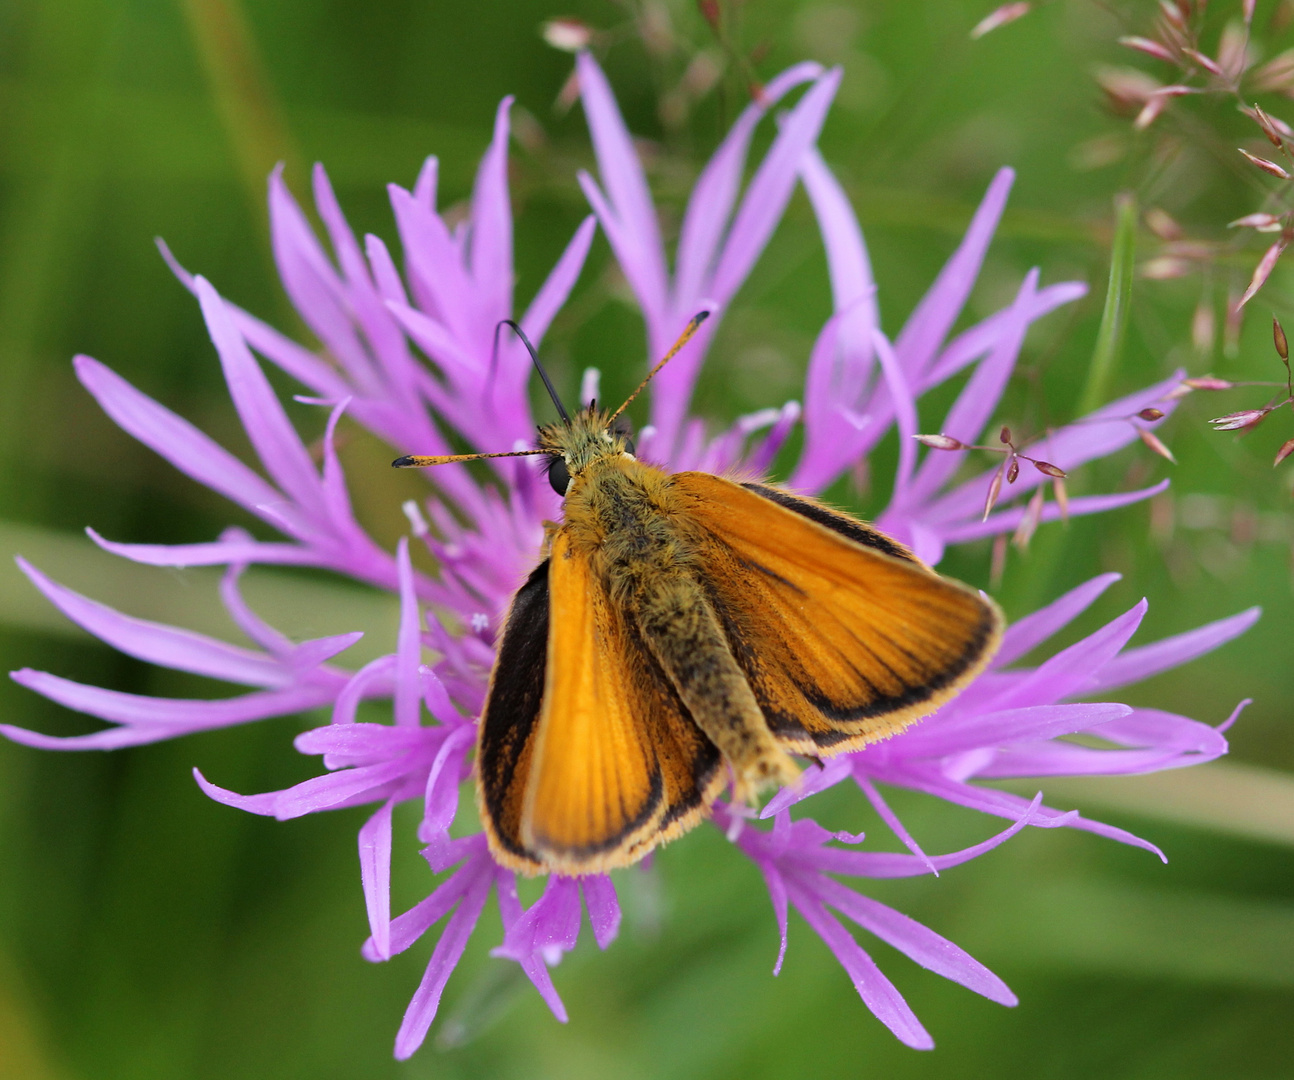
<point x="601" y="764"/>
<point x="845" y="637"/>
<point x="505" y="737"/>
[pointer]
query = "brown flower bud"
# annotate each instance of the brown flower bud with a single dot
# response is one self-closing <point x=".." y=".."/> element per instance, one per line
<point x="1152" y="441"/>
<point x="1236" y="421"/>
<point x="940" y="442"/>
<point x="1048" y="469"/>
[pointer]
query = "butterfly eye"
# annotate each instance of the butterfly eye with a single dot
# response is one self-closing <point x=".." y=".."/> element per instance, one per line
<point x="558" y="474"/>
<point x="624" y="429"/>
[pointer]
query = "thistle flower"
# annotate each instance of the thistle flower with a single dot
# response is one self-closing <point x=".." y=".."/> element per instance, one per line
<point x="456" y="287"/>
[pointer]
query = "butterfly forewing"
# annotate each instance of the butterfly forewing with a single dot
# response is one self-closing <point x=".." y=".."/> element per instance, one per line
<point x="616" y="765"/>
<point x="842" y="642"/>
<point x="510" y="719"/>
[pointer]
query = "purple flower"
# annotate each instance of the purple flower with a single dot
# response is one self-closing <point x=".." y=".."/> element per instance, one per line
<point x="373" y="322"/>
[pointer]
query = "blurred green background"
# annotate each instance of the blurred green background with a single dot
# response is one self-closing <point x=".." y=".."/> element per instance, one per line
<point x="148" y="932"/>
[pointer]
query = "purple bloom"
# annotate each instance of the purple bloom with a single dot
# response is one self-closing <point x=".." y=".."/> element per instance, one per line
<point x="455" y="287"/>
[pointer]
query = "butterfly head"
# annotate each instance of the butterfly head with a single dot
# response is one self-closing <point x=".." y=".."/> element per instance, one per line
<point x="592" y="435"/>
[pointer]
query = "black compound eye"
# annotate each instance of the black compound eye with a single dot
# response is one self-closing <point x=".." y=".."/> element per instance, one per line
<point x="558" y="474"/>
<point x="624" y="429"/>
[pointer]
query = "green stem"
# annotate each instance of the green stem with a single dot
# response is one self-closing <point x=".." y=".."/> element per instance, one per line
<point x="1118" y="297"/>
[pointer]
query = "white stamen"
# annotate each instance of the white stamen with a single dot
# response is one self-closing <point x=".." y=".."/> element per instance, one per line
<point x="480" y="621"/>
<point x="417" y="522"/>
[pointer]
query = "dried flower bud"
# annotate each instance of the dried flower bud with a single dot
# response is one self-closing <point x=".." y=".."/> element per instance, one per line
<point x="1207" y="63"/>
<point x="1150" y="113"/>
<point x="1278" y="337"/>
<point x="1203" y="326"/>
<point x="1287" y="448"/>
<point x="1261" y="222"/>
<point x="1152" y="440"/>
<point x="994" y="490"/>
<point x="1262" y="271"/>
<point x="1150" y="48"/>
<point x="1151" y="414"/>
<point x="940" y="442"/>
<point x="1208" y="382"/>
<point x="1232" y="322"/>
<point x="1172" y="14"/>
<point x="1013" y="470"/>
<point x="1005" y="435"/>
<point x="1029" y="520"/>
<point x="569" y="94"/>
<point x="1277" y="75"/>
<point x="1161" y="223"/>
<point x="1164" y="268"/>
<point x="568" y="35"/>
<point x="1007" y="13"/>
<point x="1233" y="50"/>
<point x="1265" y="165"/>
<point x="1126" y="86"/>
<point x="1062" y="497"/>
<point x="1236" y="421"/>
<point x="1048" y="469"/>
<point x="1274" y="128"/>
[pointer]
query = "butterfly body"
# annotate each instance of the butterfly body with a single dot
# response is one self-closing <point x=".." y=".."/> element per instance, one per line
<point x="687" y="631"/>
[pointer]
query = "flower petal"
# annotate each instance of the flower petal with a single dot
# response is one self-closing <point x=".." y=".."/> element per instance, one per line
<point x="149" y="719"/>
<point x="710" y="205"/>
<point x="641" y="257"/>
<point x="877" y="992"/>
<point x="490" y="243"/>
<point x="917" y="942"/>
<point x="603" y="906"/>
<point x="931" y="320"/>
<point x="1035" y="628"/>
<point x="375" y="873"/>
<point x="1141" y="663"/>
<point x="174" y="438"/>
<point x="156" y="643"/>
<point x="444" y="958"/>
<point x="277" y="444"/>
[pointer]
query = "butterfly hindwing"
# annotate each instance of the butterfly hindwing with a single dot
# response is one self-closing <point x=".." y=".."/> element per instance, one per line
<point x="844" y="636"/>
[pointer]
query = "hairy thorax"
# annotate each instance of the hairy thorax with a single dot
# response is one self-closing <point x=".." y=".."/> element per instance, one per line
<point x="624" y="517"/>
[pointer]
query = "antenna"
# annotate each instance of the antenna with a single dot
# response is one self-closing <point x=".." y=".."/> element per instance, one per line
<point x="683" y="339"/>
<point x="548" y="383"/>
<point x="421" y="461"/>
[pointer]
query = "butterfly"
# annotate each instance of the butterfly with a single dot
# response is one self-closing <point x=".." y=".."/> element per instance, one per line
<point x="687" y="631"/>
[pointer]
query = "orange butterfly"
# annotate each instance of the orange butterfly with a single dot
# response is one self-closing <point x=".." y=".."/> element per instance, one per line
<point x="686" y="631"/>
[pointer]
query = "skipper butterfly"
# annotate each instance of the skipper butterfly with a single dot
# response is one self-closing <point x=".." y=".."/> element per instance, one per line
<point x="685" y="632"/>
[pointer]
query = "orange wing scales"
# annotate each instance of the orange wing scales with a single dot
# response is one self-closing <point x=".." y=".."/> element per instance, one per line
<point x="587" y="755"/>
<point x="844" y="641"/>
<point x="613" y="764"/>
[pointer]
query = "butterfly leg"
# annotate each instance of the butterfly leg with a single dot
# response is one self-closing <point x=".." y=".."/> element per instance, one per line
<point x="683" y="633"/>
